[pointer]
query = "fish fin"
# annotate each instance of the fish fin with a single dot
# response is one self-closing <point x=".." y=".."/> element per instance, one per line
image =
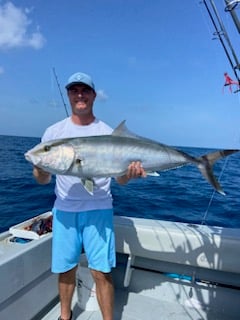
<point x="122" y="131"/>
<point x="88" y="185"/>
<point x="153" y="174"/>
<point x="205" y="166"/>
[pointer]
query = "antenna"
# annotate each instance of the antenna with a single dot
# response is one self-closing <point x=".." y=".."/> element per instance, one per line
<point x="60" y="91"/>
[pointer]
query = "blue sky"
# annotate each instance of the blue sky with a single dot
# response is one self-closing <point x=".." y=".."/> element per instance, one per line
<point x="154" y="64"/>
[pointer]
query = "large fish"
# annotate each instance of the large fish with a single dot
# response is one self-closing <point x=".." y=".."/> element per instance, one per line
<point x="110" y="156"/>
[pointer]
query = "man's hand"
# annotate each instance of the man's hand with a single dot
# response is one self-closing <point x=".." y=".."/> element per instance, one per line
<point x="41" y="176"/>
<point x="135" y="170"/>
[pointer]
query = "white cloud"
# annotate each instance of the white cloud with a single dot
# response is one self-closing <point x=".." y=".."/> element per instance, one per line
<point x="101" y="95"/>
<point x="1" y="70"/>
<point x="14" y="28"/>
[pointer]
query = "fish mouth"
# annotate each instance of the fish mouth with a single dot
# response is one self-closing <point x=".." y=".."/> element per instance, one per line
<point x="58" y="161"/>
<point x="33" y="159"/>
<point x="27" y="156"/>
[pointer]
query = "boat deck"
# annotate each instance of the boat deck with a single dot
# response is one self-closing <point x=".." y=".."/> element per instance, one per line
<point x="132" y="306"/>
<point x="165" y="270"/>
<point x="150" y="296"/>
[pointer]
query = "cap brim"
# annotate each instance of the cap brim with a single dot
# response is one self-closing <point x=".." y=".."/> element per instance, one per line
<point x="69" y="85"/>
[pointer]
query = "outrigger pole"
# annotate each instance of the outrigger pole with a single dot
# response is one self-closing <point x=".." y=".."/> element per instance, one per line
<point x="230" y="7"/>
<point x="222" y="35"/>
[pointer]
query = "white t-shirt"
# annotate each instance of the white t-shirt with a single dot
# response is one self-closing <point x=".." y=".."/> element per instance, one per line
<point x="70" y="193"/>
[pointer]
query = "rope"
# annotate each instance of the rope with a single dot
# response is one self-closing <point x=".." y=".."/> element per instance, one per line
<point x="213" y="194"/>
<point x="205" y="18"/>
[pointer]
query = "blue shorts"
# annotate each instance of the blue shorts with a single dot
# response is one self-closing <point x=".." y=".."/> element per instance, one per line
<point x="91" y="230"/>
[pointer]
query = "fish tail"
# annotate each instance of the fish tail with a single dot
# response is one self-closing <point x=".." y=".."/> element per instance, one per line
<point x="206" y="162"/>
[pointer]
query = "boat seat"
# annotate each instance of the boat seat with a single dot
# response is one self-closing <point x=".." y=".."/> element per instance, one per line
<point x="199" y="246"/>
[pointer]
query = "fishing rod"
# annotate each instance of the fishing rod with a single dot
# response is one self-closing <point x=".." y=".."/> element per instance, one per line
<point x="223" y="37"/>
<point x="230" y="7"/>
<point x="60" y="91"/>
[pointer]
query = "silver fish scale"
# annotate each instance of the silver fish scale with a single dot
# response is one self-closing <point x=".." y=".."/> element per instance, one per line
<point x="111" y="155"/>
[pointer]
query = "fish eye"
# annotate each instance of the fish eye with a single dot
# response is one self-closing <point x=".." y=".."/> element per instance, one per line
<point x="78" y="161"/>
<point x="46" y="148"/>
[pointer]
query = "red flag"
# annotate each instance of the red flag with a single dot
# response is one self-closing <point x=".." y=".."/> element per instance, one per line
<point x="229" y="82"/>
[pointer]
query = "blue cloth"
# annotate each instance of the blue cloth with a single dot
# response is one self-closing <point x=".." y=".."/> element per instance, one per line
<point x="91" y="230"/>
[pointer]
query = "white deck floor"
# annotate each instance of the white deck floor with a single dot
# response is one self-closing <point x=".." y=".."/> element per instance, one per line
<point x="162" y="300"/>
<point x="138" y="307"/>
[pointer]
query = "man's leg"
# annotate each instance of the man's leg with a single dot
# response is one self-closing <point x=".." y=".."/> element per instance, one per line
<point x="66" y="285"/>
<point x="105" y="293"/>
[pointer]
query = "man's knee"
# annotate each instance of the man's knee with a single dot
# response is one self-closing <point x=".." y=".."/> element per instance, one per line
<point x="100" y="276"/>
<point x="68" y="276"/>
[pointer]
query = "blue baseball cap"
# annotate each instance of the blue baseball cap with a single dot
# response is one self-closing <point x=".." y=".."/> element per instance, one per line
<point x="78" y="78"/>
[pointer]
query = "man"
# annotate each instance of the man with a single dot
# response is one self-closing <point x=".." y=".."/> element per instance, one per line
<point x="81" y="220"/>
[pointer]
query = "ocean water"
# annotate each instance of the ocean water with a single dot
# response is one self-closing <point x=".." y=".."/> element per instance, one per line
<point x="176" y="195"/>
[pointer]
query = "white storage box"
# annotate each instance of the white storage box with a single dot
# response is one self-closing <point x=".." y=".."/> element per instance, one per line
<point x="20" y="230"/>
